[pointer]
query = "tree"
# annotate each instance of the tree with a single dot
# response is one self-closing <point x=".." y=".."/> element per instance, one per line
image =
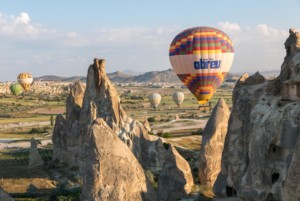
<point x="51" y="120"/>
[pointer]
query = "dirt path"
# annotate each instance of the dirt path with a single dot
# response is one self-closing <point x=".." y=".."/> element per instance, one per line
<point x="24" y="124"/>
<point x="58" y="110"/>
<point x="9" y="143"/>
<point x="180" y="125"/>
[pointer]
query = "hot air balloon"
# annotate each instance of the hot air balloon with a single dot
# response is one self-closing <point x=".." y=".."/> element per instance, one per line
<point x="16" y="89"/>
<point x="25" y="80"/>
<point x="201" y="58"/>
<point x="178" y="98"/>
<point x="154" y="100"/>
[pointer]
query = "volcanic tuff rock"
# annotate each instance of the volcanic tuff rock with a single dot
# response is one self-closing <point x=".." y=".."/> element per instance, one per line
<point x="261" y="158"/>
<point x="213" y="139"/>
<point x="174" y="182"/>
<point x="35" y="159"/>
<point x="112" y="171"/>
<point x="5" y="196"/>
<point x="59" y="138"/>
<point x="100" y="100"/>
<point x="147" y="125"/>
<point x="73" y="109"/>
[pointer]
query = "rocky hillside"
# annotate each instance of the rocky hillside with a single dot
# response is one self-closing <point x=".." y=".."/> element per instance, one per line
<point x="167" y="76"/>
<point x="261" y="154"/>
<point x="152" y="76"/>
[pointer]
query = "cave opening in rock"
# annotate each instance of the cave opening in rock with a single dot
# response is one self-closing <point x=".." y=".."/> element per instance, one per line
<point x="230" y="191"/>
<point x="274" y="149"/>
<point x="275" y="177"/>
<point x="270" y="197"/>
<point x="276" y="152"/>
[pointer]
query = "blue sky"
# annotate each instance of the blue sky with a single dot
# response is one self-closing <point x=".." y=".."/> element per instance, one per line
<point x="62" y="37"/>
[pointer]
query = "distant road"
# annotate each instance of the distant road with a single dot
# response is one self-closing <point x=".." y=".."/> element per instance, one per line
<point x="180" y="125"/>
<point x="9" y="143"/>
<point x="24" y="124"/>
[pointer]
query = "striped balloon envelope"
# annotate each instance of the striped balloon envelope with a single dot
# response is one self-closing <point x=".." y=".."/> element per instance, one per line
<point x="25" y="80"/>
<point x="201" y="58"/>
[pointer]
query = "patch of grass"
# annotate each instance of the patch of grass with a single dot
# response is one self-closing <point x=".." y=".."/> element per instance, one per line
<point x="198" y="132"/>
<point x="23" y="154"/>
<point x="26" y="119"/>
<point x="38" y="130"/>
<point x="20" y="155"/>
<point x="166" y="135"/>
<point x="21" y="185"/>
<point x="189" y="142"/>
<point x="152" y="180"/>
<point x="23" y="136"/>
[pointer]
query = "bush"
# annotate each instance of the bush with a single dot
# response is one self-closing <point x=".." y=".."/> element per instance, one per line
<point x="166" y="135"/>
<point x="166" y="145"/>
<point x="152" y="179"/>
<point x="198" y="132"/>
<point x="38" y="130"/>
<point x="151" y="119"/>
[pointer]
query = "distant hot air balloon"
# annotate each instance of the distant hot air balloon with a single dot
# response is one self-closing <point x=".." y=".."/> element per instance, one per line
<point x="201" y="58"/>
<point x="16" y="89"/>
<point x="25" y="80"/>
<point x="154" y="99"/>
<point x="178" y="98"/>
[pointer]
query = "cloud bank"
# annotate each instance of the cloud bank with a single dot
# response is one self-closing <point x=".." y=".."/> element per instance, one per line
<point x="29" y="46"/>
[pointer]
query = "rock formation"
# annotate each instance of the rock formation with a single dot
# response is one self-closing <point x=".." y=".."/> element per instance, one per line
<point x="100" y="100"/>
<point x="59" y="138"/>
<point x="174" y="182"/>
<point x="213" y="139"/>
<point x="5" y="196"/>
<point x="73" y="110"/>
<point x="261" y="158"/>
<point x="112" y="171"/>
<point x="147" y="125"/>
<point x="35" y="159"/>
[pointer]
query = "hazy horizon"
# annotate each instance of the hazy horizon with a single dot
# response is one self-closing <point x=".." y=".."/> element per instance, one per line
<point x="63" y="38"/>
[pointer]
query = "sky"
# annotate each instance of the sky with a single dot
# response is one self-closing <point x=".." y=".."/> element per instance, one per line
<point x="63" y="37"/>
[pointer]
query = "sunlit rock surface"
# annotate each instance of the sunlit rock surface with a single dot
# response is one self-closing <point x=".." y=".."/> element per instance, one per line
<point x="261" y="157"/>
<point x="100" y="100"/>
<point x="111" y="170"/>
<point x="213" y="139"/>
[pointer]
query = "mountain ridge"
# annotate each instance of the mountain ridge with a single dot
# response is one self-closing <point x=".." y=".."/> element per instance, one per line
<point x="166" y="76"/>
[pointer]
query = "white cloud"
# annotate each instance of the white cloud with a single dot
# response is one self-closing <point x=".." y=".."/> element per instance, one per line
<point x="259" y="47"/>
<point x="20" y="26"/>
<point x="229" y="27"/>
<point x="271" y="32"/>
<point x="143" y="48"/>
<point x="23" y="18"/>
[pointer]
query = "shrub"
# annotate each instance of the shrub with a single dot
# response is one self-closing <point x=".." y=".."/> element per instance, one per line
<point x="166" y="145"/>
<point x="166" y="135"/>
<point x="198" y="132"/>
<point x="151" y="179"/>
<point x="38" y="130"/>
<point x="151" y="119"/>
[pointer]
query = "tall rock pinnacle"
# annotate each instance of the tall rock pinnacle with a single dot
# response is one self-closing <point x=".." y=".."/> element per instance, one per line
<point x="213" y="139"/>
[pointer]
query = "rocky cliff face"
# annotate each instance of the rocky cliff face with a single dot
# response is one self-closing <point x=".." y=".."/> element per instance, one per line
<point x="174" y="182"/>
<point x="5" y="196"/>
<point x="100" y="100"/>
<point x="112" y="171"/>
<point x="260" y="158"/>
<point x="213" y="138"/>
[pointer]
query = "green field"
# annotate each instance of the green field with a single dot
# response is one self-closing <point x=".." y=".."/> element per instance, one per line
<point x="134" y="100"/>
